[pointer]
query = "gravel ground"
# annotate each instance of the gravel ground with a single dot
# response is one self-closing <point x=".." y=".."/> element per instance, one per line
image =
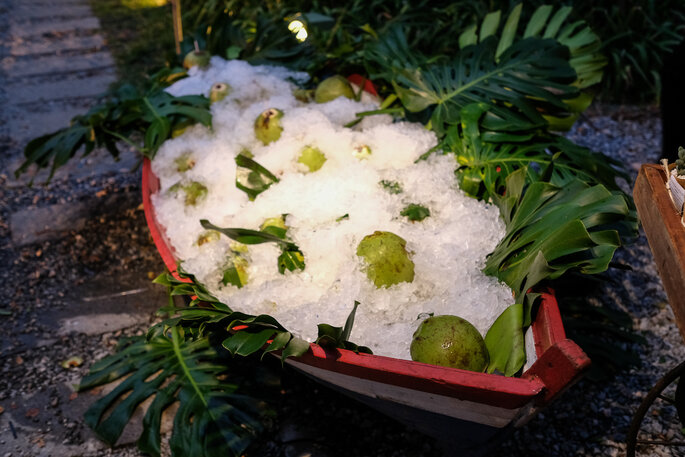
<point x="591" y="419"/>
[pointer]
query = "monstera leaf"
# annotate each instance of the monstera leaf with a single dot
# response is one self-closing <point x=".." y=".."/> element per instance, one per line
<point x="550" y="230"/>
<point x="483" y="165"/>
<point x="582" y="42"/>
<point x="528" y="79"/>
<point x="212" y="418"/>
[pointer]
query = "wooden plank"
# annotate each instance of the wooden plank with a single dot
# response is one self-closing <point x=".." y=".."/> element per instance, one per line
<point x="665" y="234"/>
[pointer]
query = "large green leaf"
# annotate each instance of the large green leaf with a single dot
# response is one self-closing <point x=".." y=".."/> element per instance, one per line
<point x="212" y="418"/>
<point x="550" y="230"/>
<point x="583" y="44"/>
<point x="484" y="161"/>
<point x="531" y="78"/>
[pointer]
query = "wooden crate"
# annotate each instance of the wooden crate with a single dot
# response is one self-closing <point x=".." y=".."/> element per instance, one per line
<point x="665" y="233"/>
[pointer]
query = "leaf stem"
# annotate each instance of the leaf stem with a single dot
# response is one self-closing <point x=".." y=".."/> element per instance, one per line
<point x="152" y="108"/>
<point x="123" y="138"/>
<point x="363" y="114"/>
<point x="175" y="337"/>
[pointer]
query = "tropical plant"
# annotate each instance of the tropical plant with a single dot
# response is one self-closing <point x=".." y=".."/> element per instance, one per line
<point x="125" y="114"/>
<point x="550" y="230"/>
<point x="188" y="360"/>
<point x="483" y="165"/>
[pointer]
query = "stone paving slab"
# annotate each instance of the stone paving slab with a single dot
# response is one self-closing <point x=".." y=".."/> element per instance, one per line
<point x="66" y="88"/>
<point x="27" y="11"/>
<point x="99" y="162"/>
<point x="51" y="65"/>
<point x="27" y="29"/>
<point x="25" y="125"/>
<point x="65" y="43"/>
<point x="108" y="303"/>
<point x="32" y="225"/>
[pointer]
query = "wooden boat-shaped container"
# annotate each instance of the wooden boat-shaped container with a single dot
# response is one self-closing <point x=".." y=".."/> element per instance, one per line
<point x="474" y="411"/>
<point x="665" y="233"/>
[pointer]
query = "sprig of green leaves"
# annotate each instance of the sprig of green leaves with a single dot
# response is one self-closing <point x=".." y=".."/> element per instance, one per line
<point x="251" y="177"/>
<point x="291" y="257"/>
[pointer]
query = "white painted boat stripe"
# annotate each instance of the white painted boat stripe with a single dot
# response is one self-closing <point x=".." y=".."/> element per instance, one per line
<point x="480" y="413"/>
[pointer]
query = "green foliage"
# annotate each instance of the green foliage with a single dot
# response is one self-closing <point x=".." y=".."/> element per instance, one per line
<point x="219" y="321"/>
<point x="415" y="213"/>
<point x="392" y="187"/>
<point x="189" y="360"/>
<point x="550" y="230"/>
<point x="339" y="337"/>
<point x="291" y="257"/>
<point x="251" y="177"/>
<point x="583" y="45"/>
<point x="485" y="163"/>
<point x="531" y="77"/>
<point x="125" y="114"/>
<point x="637" y="37"/>
<point x="213" y="419"/>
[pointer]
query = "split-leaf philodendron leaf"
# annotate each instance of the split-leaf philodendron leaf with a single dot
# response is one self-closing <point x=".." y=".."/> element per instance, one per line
<point x="212" y="418"/>
<point x="484" y="162"/>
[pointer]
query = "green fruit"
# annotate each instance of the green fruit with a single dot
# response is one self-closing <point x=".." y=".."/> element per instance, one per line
<point x="196" y="58"/>
<point x="218" y="92"/>
<point x="194" y="192"/>
<point x="387" y="260"/>
<point x="184" y="163"/>
<point x="312" y="158"/>
<point x="267" y="126"/>
<point x="449" y="341"/>
<point x="332" y="88"/>
<point x="361" y="152"/>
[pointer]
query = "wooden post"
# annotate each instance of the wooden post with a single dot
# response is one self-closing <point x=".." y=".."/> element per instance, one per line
<point x="178" y="25"/>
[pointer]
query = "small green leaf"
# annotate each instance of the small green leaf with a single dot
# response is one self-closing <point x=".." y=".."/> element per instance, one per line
<point x="251" y="177"/>
<point x="247" y="236"/>
<point x="490" y="24"/>
<point x="505" y="342"/>
<point x="279" y="342"/>
<point x="415" y="213"/>
<point x="245" y="343"/>
<point x="291" y="260"/>
<point x="509" y="30"/>
<point x="231" y="276"/>
<point x="347" y="330"/>
<point x="295" y="348"/>
<point x="279" y="232"/>
<point x="233" y="52"/>
<point x="392" y="187"/>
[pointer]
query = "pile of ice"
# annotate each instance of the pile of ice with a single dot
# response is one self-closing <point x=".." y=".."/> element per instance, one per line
<point x="448" y="248"/>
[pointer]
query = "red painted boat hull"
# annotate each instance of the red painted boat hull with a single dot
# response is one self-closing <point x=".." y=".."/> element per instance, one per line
<point x="469" y="408"/>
